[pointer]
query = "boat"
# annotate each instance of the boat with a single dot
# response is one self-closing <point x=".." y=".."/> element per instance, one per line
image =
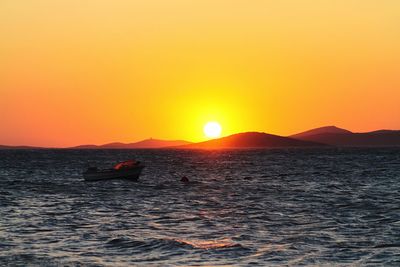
<point x="129" y="170"/>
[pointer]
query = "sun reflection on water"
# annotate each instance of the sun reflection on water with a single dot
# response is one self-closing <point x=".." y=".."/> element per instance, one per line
<point x="209" y="244"/>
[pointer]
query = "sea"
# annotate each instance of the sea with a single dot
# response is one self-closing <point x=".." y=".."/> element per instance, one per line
<point x="280" y="207"/>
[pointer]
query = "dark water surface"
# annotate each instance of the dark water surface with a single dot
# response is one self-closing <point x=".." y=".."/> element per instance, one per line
<point x="277" y="207"/>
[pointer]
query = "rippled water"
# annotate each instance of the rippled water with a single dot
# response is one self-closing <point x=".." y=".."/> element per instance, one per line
<point x="276" y="207"/>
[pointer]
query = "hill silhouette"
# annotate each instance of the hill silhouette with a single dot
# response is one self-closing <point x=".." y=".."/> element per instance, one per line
<point x="147" y="143"/>
<point x="344" y="138"/>
<point x="323" y="136"/>
<point x="320" y="130"/>
<point x="251" y="140"/>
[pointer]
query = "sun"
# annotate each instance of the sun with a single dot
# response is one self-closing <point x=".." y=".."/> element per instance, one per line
<point x="212" y="129"/>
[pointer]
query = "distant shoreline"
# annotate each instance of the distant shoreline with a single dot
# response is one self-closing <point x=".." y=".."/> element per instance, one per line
<point x="328" y="136"/>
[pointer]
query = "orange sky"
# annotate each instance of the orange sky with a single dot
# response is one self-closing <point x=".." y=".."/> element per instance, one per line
<point x="97" y="71"/>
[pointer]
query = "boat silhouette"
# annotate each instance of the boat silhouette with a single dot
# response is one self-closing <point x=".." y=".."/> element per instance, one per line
<point x="129" y="170"/>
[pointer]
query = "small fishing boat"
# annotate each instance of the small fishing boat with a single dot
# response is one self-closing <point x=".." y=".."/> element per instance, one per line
<point x="129" y="169"/>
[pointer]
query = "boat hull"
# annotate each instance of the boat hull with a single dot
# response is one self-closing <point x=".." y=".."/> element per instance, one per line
<point x="129" y="174"/>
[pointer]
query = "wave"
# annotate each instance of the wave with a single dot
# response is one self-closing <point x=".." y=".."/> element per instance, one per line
<point x="170" y="243"/>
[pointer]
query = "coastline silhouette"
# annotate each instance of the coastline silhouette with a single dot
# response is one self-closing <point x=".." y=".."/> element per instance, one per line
<point x="318" y="137"/>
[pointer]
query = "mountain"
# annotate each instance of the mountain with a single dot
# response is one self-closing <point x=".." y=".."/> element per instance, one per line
<point x="381" y="138"/>
<point x="321" y="130"/>
<point x="144" y="144"/>
<point x="323" y="136"/>
<point x="251" y="140"/>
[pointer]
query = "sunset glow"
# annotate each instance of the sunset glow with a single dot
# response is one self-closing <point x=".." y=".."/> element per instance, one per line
<point x="90" y="72"/>
<point x="199" y="132"/>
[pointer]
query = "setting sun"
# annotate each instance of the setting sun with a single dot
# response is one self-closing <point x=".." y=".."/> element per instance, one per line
<point x="212" y="129"/>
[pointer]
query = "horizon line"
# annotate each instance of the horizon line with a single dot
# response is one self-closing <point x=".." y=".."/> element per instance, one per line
<point x="193" y="142"/>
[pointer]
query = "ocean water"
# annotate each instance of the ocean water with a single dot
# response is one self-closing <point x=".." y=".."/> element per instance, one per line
<point x="316" y="207"/>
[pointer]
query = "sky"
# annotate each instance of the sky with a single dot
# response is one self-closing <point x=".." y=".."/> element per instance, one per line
<point x="96" y="71"/>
